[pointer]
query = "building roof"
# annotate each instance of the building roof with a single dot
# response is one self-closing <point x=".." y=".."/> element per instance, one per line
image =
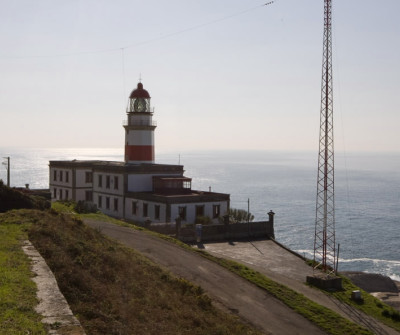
<point x="139" y="92"/>
<point x="114" y="166"/>
<point x="192" y="197"/>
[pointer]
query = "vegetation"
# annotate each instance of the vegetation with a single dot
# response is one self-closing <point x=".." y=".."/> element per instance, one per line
<point x="115" y="290"/>
<point x="203" y="220"/>
<point x="370" y="305"/>
<point x="239" y="215"/>
<point x="10" y="198"/>
<point x="17" y="290"/>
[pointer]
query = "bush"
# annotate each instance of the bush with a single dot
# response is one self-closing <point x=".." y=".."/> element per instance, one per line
<point x="203" y="220"/>
<point x="239" y="215"/>
<point x="83" y="207"/>
<point x="10" y="198"/>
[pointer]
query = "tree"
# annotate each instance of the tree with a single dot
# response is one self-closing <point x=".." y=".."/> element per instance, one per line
<point x="239" y="215"/>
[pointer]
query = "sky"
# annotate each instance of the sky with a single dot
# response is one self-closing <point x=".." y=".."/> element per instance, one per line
<point x="226" y="74"/>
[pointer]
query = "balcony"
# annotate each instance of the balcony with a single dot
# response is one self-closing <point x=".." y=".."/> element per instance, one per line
<point x="139" y="123"/>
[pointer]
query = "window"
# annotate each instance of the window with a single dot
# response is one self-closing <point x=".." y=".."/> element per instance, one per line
<point x="100" y="201"/>
<point x="115" y="204"/>
<point x="100" y="180"/>
<point x="145" y="209"/>
<point x="66" y="194"/>
<point x="107" y="203"/>
<point x="60" y="194"/>
<point x="88" y="177"/>
<point x="61" y="176"/>
<point x="55" y="193"/>
<point x="200" y="210"/>
<point x="182" y="212"/>
<point x="157" y="212"/>
<point x="115" y="183"/>
<point x="134" y="207"/>
<point x="67" y="176"/>
<point x="55" y="175"/>
<point x="216" y="211"/>
<point x="88" y="196"/>
<point x="107" y="181"/>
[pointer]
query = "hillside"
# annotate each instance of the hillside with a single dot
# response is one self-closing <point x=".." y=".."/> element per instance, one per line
<point x="11" y="198"/>
<point x="115" y="290"/>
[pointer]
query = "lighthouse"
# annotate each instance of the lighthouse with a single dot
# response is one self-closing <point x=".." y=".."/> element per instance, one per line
<point x="139" y="128"/>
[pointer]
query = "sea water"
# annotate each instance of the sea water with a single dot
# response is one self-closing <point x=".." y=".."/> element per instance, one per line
<point x="367" y="193"/>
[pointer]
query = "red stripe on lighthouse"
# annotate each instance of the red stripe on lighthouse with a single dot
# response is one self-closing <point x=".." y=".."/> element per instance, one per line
<point x="139" y="153"/>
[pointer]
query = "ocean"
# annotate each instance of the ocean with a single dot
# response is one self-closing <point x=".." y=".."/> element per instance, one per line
<point x="367" y="194"/>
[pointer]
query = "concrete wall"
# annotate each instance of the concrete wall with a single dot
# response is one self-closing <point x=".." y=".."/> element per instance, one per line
<point x="219" y="232"/>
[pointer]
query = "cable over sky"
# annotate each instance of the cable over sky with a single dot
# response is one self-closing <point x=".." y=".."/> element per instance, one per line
<point x="149" y="41"/>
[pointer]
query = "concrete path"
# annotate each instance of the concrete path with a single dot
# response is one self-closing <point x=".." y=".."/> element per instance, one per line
<point x="57" y="315"/>
<point x="269" y="258"/>
<point x="227" y="289"/>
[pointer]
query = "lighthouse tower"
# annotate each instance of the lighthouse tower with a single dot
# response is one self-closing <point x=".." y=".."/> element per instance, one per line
<point x="139" y="128"/>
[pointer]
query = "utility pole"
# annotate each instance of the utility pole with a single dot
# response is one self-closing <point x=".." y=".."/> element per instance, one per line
<point x="8" y="169"/>
<point x="324" y="241"/>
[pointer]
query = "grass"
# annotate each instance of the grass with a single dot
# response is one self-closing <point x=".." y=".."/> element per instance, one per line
<point x="115" y="290"/>
<point x="17" y="290"/>
<point x="370" y="305"/>
<point x="321" y="316"/>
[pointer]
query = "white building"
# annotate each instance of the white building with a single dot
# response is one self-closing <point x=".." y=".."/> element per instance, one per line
<point x="137" y="189"/>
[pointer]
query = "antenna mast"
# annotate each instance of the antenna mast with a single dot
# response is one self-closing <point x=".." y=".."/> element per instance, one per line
<point x="324" y="241"/>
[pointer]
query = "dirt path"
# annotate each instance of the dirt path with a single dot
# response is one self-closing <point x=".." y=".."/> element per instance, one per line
<point x="234" y="293"/>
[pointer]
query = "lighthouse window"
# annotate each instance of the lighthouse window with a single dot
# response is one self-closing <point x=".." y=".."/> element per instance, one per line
<point x="216" y="211"/>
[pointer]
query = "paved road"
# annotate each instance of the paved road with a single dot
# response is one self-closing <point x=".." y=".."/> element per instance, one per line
<point x="234" y="293"/>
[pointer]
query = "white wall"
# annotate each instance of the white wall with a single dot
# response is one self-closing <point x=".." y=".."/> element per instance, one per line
<point x="119" y="212"/>
<point x="191" y="210"/>
<point x="139" y="215"/>
<point x="111" y="190"/>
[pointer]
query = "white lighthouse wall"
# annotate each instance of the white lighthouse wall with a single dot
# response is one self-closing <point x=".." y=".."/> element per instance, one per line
<point x="140" y="137"/>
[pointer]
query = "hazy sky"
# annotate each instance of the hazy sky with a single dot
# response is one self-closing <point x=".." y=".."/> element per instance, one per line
<point x="222" y="74"/>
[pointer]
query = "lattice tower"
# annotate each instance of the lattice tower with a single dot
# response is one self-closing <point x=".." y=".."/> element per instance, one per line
<point x="324" y="241"/>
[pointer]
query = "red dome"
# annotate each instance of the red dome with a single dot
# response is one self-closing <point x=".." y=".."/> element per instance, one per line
<point x="139" y="92"/>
